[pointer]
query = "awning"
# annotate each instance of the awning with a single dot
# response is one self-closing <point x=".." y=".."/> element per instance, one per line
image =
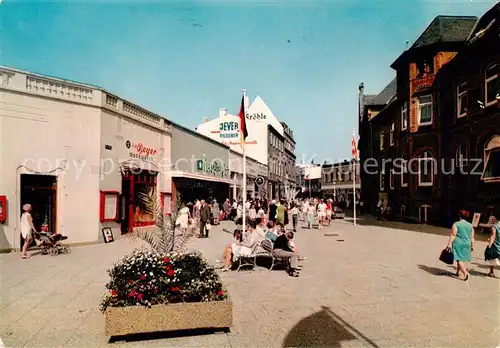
<point x="196" y="176"/>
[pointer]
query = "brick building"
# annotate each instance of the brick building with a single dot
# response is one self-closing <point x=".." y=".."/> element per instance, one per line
<point x="444" y="106"/>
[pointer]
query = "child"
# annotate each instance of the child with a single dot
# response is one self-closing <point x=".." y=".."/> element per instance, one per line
<point x="295" y="217"/>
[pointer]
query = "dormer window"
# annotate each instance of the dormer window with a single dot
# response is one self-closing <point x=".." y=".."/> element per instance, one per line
<point x="404" y="116"/>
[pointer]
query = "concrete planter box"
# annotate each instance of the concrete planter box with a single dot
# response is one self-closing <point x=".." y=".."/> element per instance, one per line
<point x="120" y="321"/>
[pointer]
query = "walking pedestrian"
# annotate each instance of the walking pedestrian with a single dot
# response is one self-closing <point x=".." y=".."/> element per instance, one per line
<point x="27" y="229"/>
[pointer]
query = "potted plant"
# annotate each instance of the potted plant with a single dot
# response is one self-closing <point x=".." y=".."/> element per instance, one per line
<point x="163" y="287"/>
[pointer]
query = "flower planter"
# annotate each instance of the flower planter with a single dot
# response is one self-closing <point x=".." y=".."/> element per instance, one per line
<point x="120" y="321"/>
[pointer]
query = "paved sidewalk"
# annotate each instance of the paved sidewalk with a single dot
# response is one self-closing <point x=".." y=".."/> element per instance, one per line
<point x="365" y="287"/>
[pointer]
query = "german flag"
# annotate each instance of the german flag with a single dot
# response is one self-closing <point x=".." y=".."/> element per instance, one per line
<point x="243" y="123"/>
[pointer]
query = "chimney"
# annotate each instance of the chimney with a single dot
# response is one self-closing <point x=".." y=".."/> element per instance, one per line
<point x="205" y="119"/>
<point x="222" y="112"/>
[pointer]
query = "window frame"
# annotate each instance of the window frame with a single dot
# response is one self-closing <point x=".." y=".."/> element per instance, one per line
<point x="382" y="136"/>
<point x="392" y="130"/>
<point x="404" y="116"/>
<point x="487" y="155"/>
<point x="391" y="179"/>
<point x="460" y="95"/>
<point x="404" y="172"/>
<point x="420" y="161"/>
<point x="421" y="105"/>
<point x="487" y="80"/>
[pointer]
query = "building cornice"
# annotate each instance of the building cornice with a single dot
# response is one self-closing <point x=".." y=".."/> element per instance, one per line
<point x="46" y="87"/>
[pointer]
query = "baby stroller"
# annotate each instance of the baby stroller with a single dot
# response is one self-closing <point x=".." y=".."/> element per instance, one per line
<point x="51" y="243"/>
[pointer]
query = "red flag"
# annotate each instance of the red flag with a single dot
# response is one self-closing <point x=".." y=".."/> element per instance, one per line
<point x="243" y="123"/>
<point x="354" y="146"/>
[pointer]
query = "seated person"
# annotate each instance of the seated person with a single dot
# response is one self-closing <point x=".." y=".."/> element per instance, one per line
<point x="244" y="244"/>
<point x="271" y="233"/>
<point x="282" y="249"/>
<point x="280" y="228"/>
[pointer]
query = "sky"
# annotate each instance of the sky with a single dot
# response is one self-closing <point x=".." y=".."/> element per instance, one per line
<point x="186" y="59"/>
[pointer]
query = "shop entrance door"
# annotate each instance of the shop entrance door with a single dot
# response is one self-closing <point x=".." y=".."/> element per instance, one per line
<point x="126" y="203"/>
<point x="40" y="191"/>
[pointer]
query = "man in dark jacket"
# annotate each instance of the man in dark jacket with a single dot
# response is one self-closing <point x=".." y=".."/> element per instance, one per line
<point x="282" y="249"/>
<point x="204" y="218"/>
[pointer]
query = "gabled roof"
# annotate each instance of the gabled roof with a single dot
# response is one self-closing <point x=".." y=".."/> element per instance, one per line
<point x="385" y="96"/>
<point x="446" y="29"/>
<point x="443" y="30"/>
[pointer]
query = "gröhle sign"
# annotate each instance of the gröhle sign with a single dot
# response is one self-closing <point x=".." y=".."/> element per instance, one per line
<point x="216" y="168"/>
<point x="256" y="116"/>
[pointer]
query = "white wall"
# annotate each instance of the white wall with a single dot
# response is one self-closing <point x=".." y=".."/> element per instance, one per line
<point x="44" y="133"/>
<point x="258" y="117"/>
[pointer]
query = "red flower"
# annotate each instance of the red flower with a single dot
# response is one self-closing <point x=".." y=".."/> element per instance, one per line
<point x="131" y="282"/>
<point x="113" y="293"/>
<point x="140" y="296"/>
<point x="132" y="293"/>
<point x="220" y="293"/>
<point x="170" y="272"/>
<point x="142" y="277"/>
<point x="166" y="260"/>
<point x="156" y="290"/>
<point x="175" y="289"/>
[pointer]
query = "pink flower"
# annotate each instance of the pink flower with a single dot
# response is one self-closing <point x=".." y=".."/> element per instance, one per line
<point x="132" y="293"/>
<point x="170" y="272"/>
<point x="166" y="260"/>
<point x="220" y="293"/>
<point x="140" y="297"/>
<point x="142" y="277"/>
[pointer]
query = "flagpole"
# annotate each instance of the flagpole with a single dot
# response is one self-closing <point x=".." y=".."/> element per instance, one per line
<point x="354" y="185"/>
<point x="243" y="145"/>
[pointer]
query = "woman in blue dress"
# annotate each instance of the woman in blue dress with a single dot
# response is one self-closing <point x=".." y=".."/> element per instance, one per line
<point x="494" y="243"/>
<point x="461" y="242"/>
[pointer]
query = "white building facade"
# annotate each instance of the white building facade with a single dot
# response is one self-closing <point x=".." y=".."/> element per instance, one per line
<point x="259" y="119"/>
<point x="79" y="155"/>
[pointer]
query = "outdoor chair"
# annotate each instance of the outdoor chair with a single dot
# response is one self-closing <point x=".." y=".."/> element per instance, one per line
<point x="248" y="260"/>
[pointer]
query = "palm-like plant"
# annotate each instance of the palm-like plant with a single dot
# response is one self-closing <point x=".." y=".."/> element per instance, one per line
<point x="162" y="237"/>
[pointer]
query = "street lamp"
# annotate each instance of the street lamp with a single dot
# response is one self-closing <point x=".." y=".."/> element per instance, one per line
<point x="334" y="190"/>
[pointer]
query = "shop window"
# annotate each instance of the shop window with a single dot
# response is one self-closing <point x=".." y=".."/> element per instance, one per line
<point x="491" y="172"/>
<point x="391" y="134"/>
<point x="109" y="205"/>
<point x="425" y="110"/>
<point x="404" y="116"/>
<point x="426" y="169"/>
<point x="491" y="84"/>
<point x="462" y="99"/>
<point x="461" y="156"/>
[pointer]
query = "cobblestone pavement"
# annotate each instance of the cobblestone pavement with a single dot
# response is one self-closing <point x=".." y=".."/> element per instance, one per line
<point x="360" y="286"/>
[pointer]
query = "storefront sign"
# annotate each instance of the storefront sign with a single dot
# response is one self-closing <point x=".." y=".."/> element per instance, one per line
<point x="215" y="167"/>
<point x="141" y="151"/>
<point x="256" y="116"/>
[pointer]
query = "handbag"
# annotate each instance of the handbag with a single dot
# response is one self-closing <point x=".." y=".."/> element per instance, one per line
<point x="208" y="226"/>
<point x="490" y="253"/>
<point x="447" y="256"/>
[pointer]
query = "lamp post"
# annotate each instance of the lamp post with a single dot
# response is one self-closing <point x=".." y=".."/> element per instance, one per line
<point x="334" y="190"/>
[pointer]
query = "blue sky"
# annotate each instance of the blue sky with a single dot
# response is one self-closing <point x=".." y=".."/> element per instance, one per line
<point x="185" y="60"/>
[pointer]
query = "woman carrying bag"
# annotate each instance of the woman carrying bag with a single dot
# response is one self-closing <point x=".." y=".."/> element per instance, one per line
<point x="492" y="252"/>
<point x="461" y="243"/>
